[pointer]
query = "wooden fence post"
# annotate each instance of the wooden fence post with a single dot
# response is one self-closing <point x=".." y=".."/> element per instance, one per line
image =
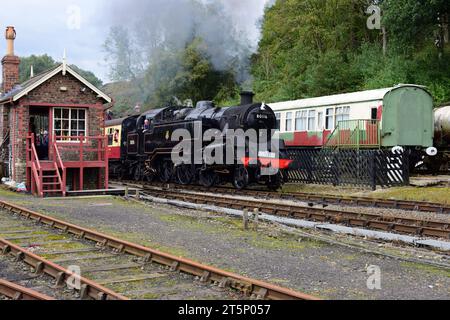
<point x="256" y="219"/>
<point x="245" y="219"/>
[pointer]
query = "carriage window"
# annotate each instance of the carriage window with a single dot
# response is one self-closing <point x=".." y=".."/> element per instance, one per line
<point x="329" y="121"/>
<point x="301" y="119"/>
<point x="346" y="113"/>
<point x="289" y="121"/>
<point x="342" y="114"/>
<point x="312" y="120"/>
<point x="69" y="123"/>
<point x="110" y="139"/>
<point x="278" y="115"/>
<point x="320" y="121"/>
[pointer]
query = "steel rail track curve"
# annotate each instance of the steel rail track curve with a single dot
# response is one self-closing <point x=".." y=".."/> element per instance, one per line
<point x="314" y="198"/>
<point x="429" y="228"/>
<point x="16" y="292"/>
<point x="61" y="275"/>
<point x="207" y="274"/>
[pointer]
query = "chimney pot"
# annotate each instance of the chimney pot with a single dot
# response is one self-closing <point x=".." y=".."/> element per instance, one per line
<point x="10" y="36"/>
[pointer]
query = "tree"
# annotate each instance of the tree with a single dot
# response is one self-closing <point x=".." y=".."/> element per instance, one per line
<point x="40" y="64"/>
<point x="315" y="47"/>
<point x="88" y="75"/>
<point x="44" y="62"/>
<point x="188" y="74"/>
<point x="122" y="55"/>
<point x="306" y="46"/>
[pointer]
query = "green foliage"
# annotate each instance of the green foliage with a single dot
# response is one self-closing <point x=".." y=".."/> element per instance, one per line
<point x="124" y="60"/>
<point x="45" y="62"/>
<point x="88" y="75"/>
<point x="317" y="47"/>
<point x="40" y="64"/>
<point x="188" y="74"/>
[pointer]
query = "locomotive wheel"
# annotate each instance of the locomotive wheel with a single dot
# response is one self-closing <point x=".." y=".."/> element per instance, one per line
<point x="275" y="182"/>
<point x="138" y="173"/>
<point x="166" y="171"/>
<point x="208" y="178"/>
<point x="149" y="173"/>
<point x="148" y="177"/>
<point x="241" y="178"/>
<point x="185" y="174"/>
<point x="123" y="173"/>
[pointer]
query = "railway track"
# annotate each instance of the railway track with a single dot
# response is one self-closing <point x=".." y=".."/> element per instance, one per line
<point x="315" y="198"/>
<point x="402" y="225"/>
<point x="14" y="291"/>
<point x="117" y="269"/>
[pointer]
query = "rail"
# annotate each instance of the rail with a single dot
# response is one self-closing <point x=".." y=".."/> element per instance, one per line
<point x="205" y="273"/>
<point x="16" y="292"/>
<point x="390" y="223"/>
<point x="43" y="266"/>
<point x="315" y="198"/>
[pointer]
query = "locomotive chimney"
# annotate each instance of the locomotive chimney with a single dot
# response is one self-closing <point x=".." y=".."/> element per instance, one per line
<point x="10" y="62"/>
<point x="246" y="97"/>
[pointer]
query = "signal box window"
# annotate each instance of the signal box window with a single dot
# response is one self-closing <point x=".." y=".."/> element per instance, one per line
<point x="69" y="122"/>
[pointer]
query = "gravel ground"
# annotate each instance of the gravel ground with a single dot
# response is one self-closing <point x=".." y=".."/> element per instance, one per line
<point x="326" y="270"/>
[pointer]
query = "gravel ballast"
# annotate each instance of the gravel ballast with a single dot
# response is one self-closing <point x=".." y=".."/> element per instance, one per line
<point x="319" y="268"/>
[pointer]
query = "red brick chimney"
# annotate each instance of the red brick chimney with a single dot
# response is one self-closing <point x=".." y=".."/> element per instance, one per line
<point x="10" y="62"/>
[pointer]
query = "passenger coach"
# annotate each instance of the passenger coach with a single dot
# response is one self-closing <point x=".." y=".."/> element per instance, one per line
<point x="385" y="118"/>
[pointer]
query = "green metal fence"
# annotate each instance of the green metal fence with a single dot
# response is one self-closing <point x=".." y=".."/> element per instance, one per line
<point x="356" y="134"/>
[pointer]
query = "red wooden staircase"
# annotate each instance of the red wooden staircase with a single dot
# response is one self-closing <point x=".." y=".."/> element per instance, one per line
<point x="46" y="177"/>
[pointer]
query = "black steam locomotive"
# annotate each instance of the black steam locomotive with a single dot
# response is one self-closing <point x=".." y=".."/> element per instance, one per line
<point x="168" y="144"/>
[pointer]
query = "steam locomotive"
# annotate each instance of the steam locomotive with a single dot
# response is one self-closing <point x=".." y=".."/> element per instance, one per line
<point x="149" y="147"/>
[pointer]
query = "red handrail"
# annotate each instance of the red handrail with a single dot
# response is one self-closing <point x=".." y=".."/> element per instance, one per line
<point x="35" y="165"/>
<point x="83" y="144"/>
<point x="59" y="164"/>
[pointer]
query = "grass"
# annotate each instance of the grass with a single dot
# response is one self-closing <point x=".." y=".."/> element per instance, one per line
<point x="321" y="189"/>
<point x="429" y="194"/>
<point x="427" y="269"/>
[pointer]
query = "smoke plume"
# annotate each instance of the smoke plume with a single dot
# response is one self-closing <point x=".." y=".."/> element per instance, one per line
<point x="228" y="28"/>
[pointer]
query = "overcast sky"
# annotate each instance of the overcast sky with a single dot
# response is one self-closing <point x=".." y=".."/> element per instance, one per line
<point x="50" y="26"/>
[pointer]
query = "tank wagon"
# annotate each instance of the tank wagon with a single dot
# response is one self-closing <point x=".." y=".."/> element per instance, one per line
<point x="442" y="137"/>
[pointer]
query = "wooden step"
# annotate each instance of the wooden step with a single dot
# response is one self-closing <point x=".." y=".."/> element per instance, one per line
<point x="51" y="191"/>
